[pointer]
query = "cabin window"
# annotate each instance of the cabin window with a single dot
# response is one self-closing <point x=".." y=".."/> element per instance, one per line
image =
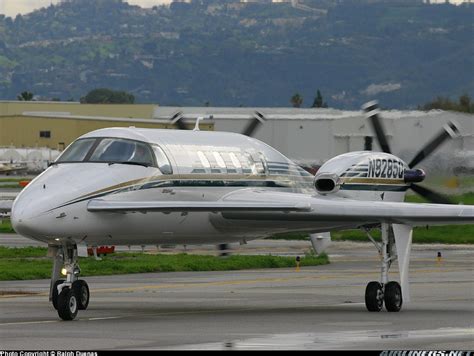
<point x="231" y="167"/>
<point x="259" y="167"/>
<point x="203" y="159"/>
<point x="234" y="160"/>
<point x="163" y="162"/>
<point x="219" y="160"/>
<point x="244" y="163"/>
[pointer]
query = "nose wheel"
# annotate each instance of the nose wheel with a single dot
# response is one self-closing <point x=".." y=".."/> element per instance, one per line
<point x="69" y="295"/>
<point x="81" y="290"/>
<point x="67" y="304"/>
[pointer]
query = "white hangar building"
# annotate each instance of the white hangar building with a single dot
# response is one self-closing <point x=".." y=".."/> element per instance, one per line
<point x="316" y="135"/>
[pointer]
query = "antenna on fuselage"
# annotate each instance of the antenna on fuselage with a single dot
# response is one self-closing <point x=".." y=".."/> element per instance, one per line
<point x="196" y="127"/>
<point x="199" y="119"/>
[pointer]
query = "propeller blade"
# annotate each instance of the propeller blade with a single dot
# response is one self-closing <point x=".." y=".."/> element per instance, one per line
<point x="430" y="195"/>
<point x="177" y="119"/>
<point x="372" y="111"/>
<point x="258" y="119"/>
<point x="450" y="130"/>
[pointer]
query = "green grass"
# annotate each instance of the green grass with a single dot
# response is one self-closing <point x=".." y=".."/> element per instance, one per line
<point x="6" y="227"/>
<point x="23" y="264"/>
<point x="10" y="186"/>
<point x="449" y="234"/>
<point x="22" y="252"/>
<point x="467" y="199"/>
<point x="13" y="180"/>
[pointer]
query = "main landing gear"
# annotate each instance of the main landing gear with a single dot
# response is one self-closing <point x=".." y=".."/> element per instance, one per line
<point x="69" y="295"/>
<point x="390" y="293"/>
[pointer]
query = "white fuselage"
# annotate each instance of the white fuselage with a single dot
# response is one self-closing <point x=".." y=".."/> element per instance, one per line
<point x="205" y="166"/>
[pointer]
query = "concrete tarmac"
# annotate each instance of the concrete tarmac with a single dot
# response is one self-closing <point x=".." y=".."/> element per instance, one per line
<point x="317" y="308"/>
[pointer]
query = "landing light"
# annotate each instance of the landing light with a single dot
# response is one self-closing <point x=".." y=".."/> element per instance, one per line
<point x="64" y="271"/>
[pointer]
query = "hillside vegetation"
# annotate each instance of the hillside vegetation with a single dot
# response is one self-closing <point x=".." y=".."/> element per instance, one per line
<point x="403" y="53"/>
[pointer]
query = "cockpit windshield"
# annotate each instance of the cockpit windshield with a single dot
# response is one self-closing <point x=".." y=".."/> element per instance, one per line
<point x="109" y="150"/>
<point x="119" y="150"/>
<point x="77" y="151"/>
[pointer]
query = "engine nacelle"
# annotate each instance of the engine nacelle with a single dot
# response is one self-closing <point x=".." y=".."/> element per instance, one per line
<point x="326" y="183"/>
<point x="365" y="175"/>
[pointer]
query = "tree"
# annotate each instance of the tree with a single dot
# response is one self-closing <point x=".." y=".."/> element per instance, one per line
<point x="107" y="96"/>
<point x="25" y="96"/>
<point x="318" y="101"/>
<point x="296" y="100"/>
<point x="441" y="103"/>
<point x="465" y="103"/>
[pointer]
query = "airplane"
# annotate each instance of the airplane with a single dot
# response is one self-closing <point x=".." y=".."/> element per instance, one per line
<point x="9" y="167"/>
<point x="135" y="186"/>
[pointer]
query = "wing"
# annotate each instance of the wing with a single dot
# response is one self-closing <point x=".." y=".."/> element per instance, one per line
<point x="271" y="205"/>
<point x="97" y="205"/>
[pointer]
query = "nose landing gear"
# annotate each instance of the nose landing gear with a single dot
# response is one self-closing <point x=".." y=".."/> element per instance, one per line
<point x="72" y="294"/>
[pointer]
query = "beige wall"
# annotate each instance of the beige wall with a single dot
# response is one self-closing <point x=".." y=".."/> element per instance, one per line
<point x="143" y="111"/>
<point x="21" y="130"/>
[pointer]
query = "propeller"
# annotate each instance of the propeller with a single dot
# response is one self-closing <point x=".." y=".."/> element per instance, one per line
<point x="450" y="130"/>
<point x="257" y="120"/>
<point x="430" y="195"/>
<point x="372" y="110"/>
<point x="176" y="119"/>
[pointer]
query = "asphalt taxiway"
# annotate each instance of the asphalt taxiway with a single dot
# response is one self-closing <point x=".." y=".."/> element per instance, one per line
<point x="316" y="308"/>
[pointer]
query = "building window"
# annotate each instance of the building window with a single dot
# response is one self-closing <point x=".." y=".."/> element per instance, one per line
<point x="45" y="134"/>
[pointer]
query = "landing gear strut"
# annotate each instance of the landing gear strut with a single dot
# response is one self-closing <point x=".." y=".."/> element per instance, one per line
<point x="390" y="293"/>
<point x="69" y="295"/>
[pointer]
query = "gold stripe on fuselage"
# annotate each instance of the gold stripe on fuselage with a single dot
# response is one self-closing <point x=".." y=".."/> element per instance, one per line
<point x="384" y="181"/>
<point x="195" y="176"/>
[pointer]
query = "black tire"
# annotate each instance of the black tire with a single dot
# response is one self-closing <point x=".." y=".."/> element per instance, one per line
<point x="81" y="290"/>
<point x="393" y="297"/>
<point x="67" y="304"/>
<point x="374" y="297"/>
<point x="55" y="293"/>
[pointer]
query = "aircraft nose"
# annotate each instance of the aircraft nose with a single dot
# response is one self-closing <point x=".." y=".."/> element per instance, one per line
<point x="26" y="216"/>
<point x="21" y="223"/>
